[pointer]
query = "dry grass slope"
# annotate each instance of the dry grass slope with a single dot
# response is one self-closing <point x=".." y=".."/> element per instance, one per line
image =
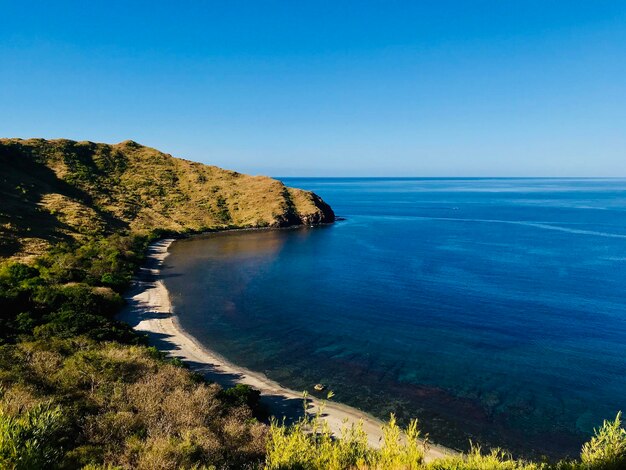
<point x="54" y="190"/>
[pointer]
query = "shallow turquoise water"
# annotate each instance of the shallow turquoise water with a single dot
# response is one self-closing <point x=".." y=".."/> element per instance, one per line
<point x="492" y="309"/>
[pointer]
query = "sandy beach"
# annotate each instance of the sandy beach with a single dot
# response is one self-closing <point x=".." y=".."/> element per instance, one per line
<point x="150" y="312"/>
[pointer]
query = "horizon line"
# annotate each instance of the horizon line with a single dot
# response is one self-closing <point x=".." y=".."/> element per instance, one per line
<point x="456" y="177"/>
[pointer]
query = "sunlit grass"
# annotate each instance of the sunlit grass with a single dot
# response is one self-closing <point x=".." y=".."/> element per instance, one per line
<point x="309" y="444"/>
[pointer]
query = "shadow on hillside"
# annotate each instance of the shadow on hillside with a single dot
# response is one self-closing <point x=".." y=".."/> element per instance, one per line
<point x="24" y="182"/>
<point x="23" y="185"/>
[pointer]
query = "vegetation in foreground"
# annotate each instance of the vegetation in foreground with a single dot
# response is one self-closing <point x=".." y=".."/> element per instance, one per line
<point x="310" y="445"/>
<point x="79" y="388"/>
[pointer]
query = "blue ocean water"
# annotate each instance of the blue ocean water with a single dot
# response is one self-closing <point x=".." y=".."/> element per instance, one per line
<point x="491" y="309"/>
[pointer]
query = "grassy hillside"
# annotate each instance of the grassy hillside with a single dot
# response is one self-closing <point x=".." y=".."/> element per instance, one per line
<point x="54" y="190"/>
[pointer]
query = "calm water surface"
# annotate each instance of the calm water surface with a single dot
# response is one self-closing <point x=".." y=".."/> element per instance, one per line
<point x="491" y="309"/>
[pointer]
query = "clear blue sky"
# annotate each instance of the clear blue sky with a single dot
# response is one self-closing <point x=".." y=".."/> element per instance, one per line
<point x="509" y="88"/>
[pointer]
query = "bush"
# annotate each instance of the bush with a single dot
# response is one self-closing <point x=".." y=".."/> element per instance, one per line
<point x="126" y="408"/>
<point x="32" y="439"/>
<point x="310" y="444"/>
<point x="242" y="395"/>
<point x="475" y="460"/>
<point x="15" y="275"/>
<point x="607" y="448"/>
<point x="71" y="291"/>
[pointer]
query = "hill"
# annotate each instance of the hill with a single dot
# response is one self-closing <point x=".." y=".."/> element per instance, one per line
<point x="56" y="190"/>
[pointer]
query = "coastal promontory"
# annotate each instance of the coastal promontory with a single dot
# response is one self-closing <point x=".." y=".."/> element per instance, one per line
<point x="63" y="190"/>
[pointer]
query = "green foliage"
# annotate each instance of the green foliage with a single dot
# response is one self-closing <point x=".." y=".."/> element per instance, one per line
<point x="70" y="291"/>
<point x="397" y="452"/>
<point x="242" y="395"/>
<point x="476" y="460"/>
<point x="607" y="448"/>
<point x="309" y="444"/>
<point x="107" y="261"/>
<point x="124" y="407"/>
<point x="31" y="439"/>
<point x="223" y="213"/>
<point x="15" y="275"/>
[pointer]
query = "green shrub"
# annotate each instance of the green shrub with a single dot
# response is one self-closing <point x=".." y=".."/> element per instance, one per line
<point x="71" y="291"/>
<point x="32" y="439"/>
<point x="309" y="444"/>
<point x="476" y="460"/>
<point x="397" y="451"/>
<point x="14" y="275"/>
<point x="242" y="395"/>
<point x="607" y="448"/>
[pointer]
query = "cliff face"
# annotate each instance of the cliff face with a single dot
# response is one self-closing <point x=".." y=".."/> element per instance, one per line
<point x="53" y="190"/>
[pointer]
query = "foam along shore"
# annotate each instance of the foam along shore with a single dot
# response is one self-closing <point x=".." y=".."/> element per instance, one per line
<point x="150" y="312"/>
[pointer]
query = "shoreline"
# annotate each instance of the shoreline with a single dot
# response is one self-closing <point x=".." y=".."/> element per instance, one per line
<point x="149" y="311"/>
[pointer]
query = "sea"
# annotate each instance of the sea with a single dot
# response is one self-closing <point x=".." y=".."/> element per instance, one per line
<point x="492" y="310"/>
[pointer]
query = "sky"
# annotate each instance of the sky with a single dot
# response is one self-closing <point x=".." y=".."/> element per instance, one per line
<point x="337" y="88"/>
